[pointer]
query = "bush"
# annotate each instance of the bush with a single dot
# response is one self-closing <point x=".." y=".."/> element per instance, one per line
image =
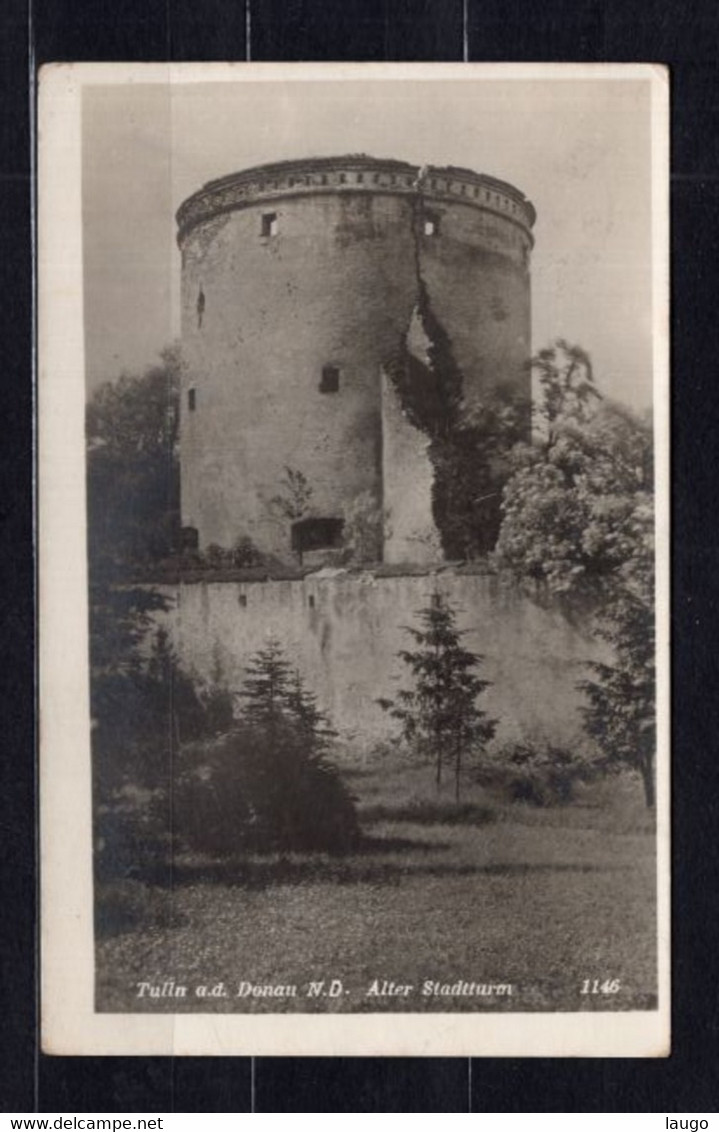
<point x="143" y="709"/>
<point x="262" y="788"/>
<point x="132" y="836"/>
<point x="540" y="774"/>
<point x="245" y="554"/>
<point x="422" y="811"/>
<point x="126" y="905"/>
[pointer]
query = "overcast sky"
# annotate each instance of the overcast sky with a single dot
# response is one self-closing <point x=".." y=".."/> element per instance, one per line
<point x="580" y="150"/>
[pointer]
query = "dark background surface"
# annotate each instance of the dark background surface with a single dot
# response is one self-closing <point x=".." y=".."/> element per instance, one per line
<point x="685" y="38"/>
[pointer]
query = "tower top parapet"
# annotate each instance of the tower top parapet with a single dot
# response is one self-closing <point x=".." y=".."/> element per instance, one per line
<point x="353" y="173"/>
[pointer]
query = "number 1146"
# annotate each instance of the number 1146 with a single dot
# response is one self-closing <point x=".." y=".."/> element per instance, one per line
<point x="601" y="986"/>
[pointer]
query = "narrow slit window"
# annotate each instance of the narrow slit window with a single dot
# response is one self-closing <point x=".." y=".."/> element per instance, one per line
<point x="189" y="538"/>
<point x="431" y="224"/>
<point x="243" y="601"/>
<point x="270" y="227"/>
<point x="191" y="400"/>
<point x="330" y="380"/>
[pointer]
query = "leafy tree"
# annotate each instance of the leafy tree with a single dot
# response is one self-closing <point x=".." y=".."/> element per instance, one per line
<point x="568" y="508"/>
<point x="565" y="377"/>
<point x="578" y="522"/>
<point x="144" y="708"/>
<point x="132" y="465"/>
<point x="132" y="497"/>
<point x="440" y="717"/>
<point x="621" y="713"/>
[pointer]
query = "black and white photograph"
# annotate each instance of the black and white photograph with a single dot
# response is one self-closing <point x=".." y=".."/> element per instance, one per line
<point x="353" y="400"/>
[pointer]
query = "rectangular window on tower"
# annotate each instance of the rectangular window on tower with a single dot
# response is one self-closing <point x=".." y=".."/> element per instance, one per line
<point x="431" y="224"/>
<point x="330" y="381"/>
<point x="191" y="400"/>
<point x="270" y="227"/>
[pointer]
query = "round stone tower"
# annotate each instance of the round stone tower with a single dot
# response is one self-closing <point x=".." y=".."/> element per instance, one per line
<point x="299" y="282"/>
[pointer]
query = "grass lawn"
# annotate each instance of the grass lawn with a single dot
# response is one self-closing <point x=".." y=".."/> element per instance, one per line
<point x="540" y="899"/>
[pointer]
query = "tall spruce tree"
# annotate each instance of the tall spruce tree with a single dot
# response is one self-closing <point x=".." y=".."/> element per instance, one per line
<point x="267" y="686"/>
<point x="275" y="784"/>
<point x="311" y="723"/>
<point x="439" y="716"/>
<point x="276" y="696"/>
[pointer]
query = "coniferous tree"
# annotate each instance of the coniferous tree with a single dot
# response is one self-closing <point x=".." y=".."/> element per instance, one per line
<point x="270" y="782"/>
<point x="133" y="470"/>
<point x="311" y="723"/>
<point x="276" y="695"/>
<point x="267" y="686"/>
<point x="440" y="716"/>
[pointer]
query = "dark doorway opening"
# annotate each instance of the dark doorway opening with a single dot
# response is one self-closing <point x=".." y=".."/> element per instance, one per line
<point x="316" y="534"/>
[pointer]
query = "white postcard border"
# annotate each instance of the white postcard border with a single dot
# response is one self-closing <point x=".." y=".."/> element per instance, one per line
<point x="69" y="1022"/>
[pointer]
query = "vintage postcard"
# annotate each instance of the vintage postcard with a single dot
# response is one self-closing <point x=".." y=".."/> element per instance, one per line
<point x="353" y="529"/>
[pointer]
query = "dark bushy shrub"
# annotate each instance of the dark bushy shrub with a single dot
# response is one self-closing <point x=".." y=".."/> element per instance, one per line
<point x="132" y="838"/>
<point x="143" y="710"/>
<point x="540" y="774"/>
<point x="245" y="554"/>
<point x="431" y="812"/>
<point x="262" y="788"/>
<point x="126" y="905"/>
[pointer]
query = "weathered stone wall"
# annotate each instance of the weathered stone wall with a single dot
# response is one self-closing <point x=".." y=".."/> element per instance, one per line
<point x="411" y="534"/>
<point x="343" y="631"/>
<point x="335" y="284"/>
<point x="330" y="289"/>
<point x="478" y="281"/>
